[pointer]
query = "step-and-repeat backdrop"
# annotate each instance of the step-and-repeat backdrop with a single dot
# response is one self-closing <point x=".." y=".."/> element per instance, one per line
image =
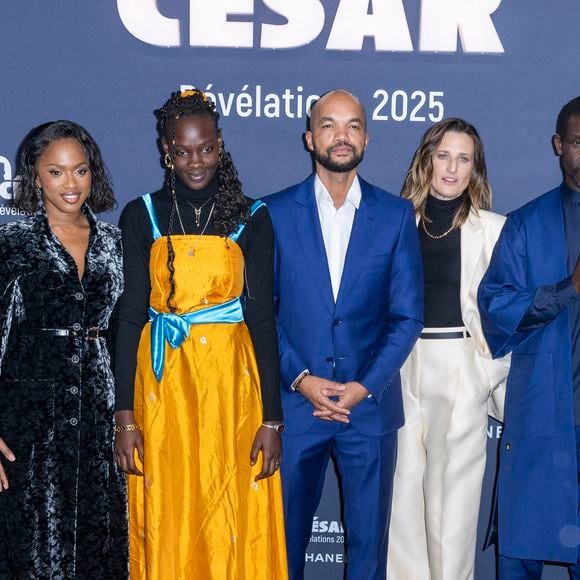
<point x="505" y="66"/>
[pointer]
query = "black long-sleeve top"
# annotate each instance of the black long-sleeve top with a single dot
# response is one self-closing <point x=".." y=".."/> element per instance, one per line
<point x="257" y="244"/>
<point x="442" y="264"/>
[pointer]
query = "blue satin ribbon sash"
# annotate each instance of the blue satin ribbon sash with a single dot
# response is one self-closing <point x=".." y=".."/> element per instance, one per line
<point x="174" y="328"/>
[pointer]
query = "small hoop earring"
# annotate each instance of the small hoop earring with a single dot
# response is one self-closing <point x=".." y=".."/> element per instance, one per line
<point x="168" y="161"/>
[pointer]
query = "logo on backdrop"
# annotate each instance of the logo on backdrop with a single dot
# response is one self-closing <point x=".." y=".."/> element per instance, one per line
<point x="331" y="533"/>
<point x="214" y="24"/>
<point x="7" y="186"/>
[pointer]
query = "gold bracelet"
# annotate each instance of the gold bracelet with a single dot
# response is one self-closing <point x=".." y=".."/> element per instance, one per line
<point x="130" y="427"/>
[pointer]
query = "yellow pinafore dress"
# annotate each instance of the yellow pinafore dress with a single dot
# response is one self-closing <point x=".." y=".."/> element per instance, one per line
<point x="197" y="514"/>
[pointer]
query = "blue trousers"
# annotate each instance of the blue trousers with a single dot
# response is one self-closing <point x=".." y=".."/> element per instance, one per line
<point x="366" y="466"/>
<point x="515" y="569"/>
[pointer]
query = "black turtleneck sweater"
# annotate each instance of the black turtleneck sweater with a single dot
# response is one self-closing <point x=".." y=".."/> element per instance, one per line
<point x="257" y="244"/>
<point x="441" y="264"/>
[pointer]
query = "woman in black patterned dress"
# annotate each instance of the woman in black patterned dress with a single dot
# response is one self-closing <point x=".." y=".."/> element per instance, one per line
<point x="62" y="498"/>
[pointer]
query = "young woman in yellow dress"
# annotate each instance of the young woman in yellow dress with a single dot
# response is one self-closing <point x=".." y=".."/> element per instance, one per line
<point x="200" y="431"/>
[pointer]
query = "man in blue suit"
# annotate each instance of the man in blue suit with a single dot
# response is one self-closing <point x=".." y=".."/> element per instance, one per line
<point x="348" y="290"/>
<point x="529" y="301"/>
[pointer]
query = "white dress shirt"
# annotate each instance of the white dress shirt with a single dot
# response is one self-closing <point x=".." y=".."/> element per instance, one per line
<point x="336" y="225"/>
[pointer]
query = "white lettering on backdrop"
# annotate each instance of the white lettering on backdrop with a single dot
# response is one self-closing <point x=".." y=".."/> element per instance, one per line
<point x="213" y="24"/>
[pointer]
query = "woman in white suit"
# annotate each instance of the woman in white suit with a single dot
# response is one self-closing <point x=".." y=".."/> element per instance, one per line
<point x="449" y="380"/>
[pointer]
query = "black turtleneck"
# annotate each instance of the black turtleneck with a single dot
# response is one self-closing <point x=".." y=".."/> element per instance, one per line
<point x="441" y="264"/>
<point x="256" y="242"/>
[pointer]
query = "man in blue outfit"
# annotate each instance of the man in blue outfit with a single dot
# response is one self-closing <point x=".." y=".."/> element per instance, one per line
<point x="349" y="295"/>
<point x="529" y="301"/>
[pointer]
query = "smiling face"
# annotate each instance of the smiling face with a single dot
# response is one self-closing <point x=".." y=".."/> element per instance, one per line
<point x="337" y="135"/>
<point x="196" y="151"/>
<point x="64" y="175"/>
<point x="452" y="163"/>
<point x="568" y="148"/>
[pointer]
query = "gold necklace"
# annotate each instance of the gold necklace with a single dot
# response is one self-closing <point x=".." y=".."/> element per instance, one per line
<point x="197" y="210"/>
<point x="440" y="235"/>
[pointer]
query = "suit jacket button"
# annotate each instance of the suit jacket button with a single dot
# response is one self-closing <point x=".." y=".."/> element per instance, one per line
<point x="508" y="446"/>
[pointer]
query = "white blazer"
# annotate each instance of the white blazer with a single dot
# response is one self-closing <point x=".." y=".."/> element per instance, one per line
<point x="479" y="235"/>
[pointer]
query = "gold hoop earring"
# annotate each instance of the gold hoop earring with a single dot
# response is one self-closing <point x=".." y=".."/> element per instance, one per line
<point x="168" y="161"/>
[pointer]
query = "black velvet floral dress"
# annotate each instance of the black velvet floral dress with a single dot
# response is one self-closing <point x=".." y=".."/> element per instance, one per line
<point x="64" y="514"/>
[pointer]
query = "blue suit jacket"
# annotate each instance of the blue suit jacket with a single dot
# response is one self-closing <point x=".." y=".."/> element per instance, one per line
<point x="538" y="485"/>
<point x="367" y="335"/>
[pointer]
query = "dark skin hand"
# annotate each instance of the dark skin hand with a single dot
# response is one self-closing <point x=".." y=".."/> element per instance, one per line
<point x="7" y="453"/>
<point x="349" y="394"/>
<point x="270" y="443"/>
<point x="318" y="391"/>
<point x="266" y="440"/>
<point x="126" y="442"/>
<point x="576" y="276"/>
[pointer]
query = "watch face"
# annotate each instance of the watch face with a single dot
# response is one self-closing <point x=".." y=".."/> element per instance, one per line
<point x="280" y="428"/>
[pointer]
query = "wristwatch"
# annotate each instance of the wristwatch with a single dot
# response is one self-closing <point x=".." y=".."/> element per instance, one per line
<point x="278" y="427"/>
<point x="298" y="380"/>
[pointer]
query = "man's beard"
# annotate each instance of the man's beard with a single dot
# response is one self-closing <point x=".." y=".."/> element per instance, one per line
<point x="336" y="166"/>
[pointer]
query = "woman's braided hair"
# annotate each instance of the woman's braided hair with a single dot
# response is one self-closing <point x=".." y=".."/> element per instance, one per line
<point x="231" y="206"/>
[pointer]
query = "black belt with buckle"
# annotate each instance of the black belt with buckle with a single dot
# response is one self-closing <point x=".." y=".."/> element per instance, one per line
<point x="92" y="333"/>
<point x="441" y="335"/>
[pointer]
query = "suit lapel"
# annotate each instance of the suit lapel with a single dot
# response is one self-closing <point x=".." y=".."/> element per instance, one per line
<point x="361" y="238"/>
<point x="471" y="246"/>
<point x="555" y="262"/>
<point x="307" y="225"/>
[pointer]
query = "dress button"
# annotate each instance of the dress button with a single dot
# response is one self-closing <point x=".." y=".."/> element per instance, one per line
<point x="75" y="359"/>
<point x="204" y="301"/>
<point x="203" y="340"/>
<point x="77" y="342"/>
<point x="337" y="322"/>
<point x="73" y="421"/>
<point x="79" y="296"/>
<point x="74" y="390"/>
<point x="76" y="326"/>
<point x="92" y="267"/>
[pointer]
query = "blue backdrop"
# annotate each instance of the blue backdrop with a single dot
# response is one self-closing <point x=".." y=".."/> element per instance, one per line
<point x="507" y="67"/>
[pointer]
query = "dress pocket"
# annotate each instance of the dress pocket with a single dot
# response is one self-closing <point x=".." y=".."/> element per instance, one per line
<point x="531" y="402"/>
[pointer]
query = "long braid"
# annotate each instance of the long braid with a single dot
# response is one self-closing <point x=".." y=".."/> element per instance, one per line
<point x="170" y="250"/>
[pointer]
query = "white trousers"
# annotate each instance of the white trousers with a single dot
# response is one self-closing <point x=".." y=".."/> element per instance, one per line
<point x="440" y="462"/>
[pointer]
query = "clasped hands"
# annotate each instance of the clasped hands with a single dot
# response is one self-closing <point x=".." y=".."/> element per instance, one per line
<point x="319" y="392"/>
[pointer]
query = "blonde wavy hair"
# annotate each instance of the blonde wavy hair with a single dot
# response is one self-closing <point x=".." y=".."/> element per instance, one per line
<point x="418" y="179"/>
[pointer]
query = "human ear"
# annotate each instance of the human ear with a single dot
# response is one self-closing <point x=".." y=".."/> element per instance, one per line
<point x="557" y="144"/>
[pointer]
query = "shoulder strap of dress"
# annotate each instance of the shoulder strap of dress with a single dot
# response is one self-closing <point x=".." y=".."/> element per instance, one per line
<point x="253" y="209"/>
<point x="152" y="217"/>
